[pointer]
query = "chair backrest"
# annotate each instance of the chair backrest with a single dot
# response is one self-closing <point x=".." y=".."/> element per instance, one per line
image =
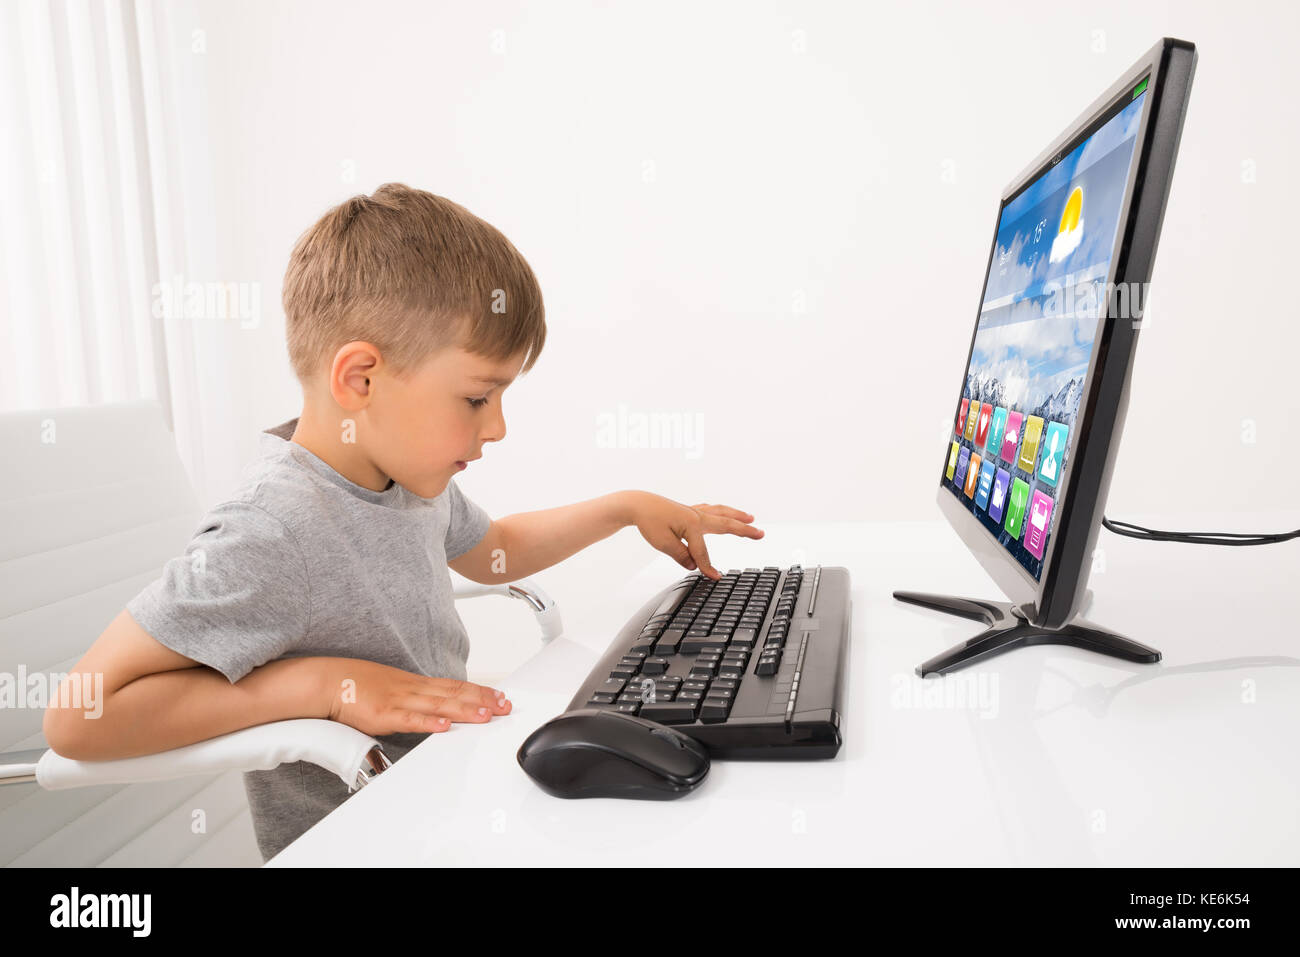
<point x="93" y="502"/>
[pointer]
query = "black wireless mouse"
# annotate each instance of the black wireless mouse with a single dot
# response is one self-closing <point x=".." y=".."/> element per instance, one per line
<point x="594" y="753"/>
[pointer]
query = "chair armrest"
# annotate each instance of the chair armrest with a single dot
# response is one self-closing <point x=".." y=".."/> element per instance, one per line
<point x="355" y="757"/>
<point x="526" y="590"/>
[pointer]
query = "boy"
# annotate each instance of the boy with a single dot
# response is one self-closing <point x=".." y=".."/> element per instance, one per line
<point x="319" y="588"/>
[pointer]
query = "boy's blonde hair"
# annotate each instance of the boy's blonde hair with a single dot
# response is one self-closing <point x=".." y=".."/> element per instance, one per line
<point x="410" y="272"/>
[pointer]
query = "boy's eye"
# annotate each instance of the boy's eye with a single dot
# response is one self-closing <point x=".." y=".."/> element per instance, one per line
<point x="477" y="403"/>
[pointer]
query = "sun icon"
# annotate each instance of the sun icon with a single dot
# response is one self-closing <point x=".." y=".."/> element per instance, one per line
<point x="1070" y="234"/>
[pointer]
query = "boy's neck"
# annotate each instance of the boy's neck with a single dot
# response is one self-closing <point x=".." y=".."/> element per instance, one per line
<point x="322" y="437"/>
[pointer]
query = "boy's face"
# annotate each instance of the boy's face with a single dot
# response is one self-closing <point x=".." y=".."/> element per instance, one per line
<point x="425" y="427"/>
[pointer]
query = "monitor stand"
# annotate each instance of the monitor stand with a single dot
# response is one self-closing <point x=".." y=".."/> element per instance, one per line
<point x="1009" y="628"/>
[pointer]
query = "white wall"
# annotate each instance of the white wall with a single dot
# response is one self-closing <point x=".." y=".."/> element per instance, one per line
<point x="797" y="150"/>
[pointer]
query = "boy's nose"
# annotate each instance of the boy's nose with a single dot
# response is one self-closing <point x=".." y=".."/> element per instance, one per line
<point x="497" y="432"/>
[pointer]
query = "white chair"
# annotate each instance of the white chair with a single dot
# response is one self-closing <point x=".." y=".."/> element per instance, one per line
<point x="93" y="502"/>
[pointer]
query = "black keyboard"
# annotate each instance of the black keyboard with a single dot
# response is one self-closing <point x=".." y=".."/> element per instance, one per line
<point x="751" y="666"/>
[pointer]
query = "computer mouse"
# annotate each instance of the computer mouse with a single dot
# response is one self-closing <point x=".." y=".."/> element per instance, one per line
<point x="595" y="753"/>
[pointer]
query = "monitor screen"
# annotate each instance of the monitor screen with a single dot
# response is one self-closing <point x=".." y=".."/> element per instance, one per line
<point x="1046" y="287"/>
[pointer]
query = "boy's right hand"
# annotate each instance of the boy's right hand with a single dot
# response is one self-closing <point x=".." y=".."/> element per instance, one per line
<point x="380" y="699"/>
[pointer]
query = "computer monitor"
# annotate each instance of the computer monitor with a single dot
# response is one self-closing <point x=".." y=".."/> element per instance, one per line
<point x="1025" y="471"/>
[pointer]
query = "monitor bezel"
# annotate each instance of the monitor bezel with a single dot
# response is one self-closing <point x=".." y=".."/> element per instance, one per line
<point x="1054" y="598"/>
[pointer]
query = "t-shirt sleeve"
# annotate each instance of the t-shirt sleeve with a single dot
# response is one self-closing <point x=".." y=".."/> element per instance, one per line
<point x="467" y="524"/>
<point x="237" y="598"/>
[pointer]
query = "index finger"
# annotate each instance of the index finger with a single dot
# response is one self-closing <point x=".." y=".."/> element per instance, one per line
<point x="695" y="542"/>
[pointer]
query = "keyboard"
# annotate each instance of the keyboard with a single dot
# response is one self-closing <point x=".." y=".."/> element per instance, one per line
<point x="752" y="665"/>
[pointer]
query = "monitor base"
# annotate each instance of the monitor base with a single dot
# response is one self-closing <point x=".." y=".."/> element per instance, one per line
<point x="1007" y="628"/>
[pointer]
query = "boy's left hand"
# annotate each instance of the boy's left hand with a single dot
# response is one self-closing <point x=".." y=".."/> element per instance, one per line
<point x="665" y="523"/>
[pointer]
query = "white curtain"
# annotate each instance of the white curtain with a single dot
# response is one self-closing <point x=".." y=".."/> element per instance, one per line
<point x="107" y="208"/>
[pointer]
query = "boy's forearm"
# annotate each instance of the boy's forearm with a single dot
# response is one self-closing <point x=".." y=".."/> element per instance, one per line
<point x="533" y="541"/>
<point x="170" y="709"/>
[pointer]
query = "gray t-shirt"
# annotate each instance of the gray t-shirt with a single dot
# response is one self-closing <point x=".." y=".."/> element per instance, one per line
<point x="297" y="562"/>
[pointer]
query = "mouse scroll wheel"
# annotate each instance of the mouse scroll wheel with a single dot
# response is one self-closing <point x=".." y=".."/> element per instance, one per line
<point x="668" y="736"/>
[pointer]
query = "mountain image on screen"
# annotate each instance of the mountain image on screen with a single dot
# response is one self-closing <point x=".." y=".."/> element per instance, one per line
<point x="1061" y="406"/>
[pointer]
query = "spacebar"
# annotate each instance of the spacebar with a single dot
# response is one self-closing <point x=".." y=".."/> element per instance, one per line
<point x="669" y="712"/>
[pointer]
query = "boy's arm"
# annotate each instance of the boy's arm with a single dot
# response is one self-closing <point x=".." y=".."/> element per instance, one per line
<point x="520" y="545"/>
<point x="137" y="696"/>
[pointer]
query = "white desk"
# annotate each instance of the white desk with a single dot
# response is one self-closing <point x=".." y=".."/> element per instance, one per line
<point x="1068" y="758"/>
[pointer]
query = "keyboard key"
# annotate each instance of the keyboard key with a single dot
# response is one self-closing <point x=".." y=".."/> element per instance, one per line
<point x="714" y="709"/>
<point x="694" y="684"/>
<point x="654" y="666"/>
<point x="669" y="641"/>
<point x="628" y="708"/>
<point x="611" y="686"/>
<point x="676" y="712"/>
<point x="601" y="697"/>
<point x="623" y="671"/>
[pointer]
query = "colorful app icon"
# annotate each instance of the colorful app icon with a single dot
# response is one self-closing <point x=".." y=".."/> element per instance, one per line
<point x="1040" y="511"/>
<point x="1049" y="470"/>
<point x="1016" y="508"/>
<point x="972" y="476"/>
<point x="998" y="499"/>
<point x="952" y="460"/>
<point x="961" y="417"/>
<point x="963" y="460"/>
<point x="1029" y="443"/>
<point x="971" y="417"/>
<point x="985" y="485"/>
<point x="997" y="429"/>
<point x="982" y="427"/>
<point x="1011" y="442"/>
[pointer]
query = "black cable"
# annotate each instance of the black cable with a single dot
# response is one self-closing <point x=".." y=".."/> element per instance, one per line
<point x="1197" y="538"/>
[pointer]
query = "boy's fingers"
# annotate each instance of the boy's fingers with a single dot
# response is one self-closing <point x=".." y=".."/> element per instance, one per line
<point x="454" y="709"/>
<point x="494" y="698"/>
<point x="695" y="541"/>
<point x="714" y="523"/>
<point x="726" y="511"/>
<point x="416" y="721"/>
<point x="679" y="553"/>
<point x="468" y="691"/>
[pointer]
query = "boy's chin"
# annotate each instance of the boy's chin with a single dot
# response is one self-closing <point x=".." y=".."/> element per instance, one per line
<point x="430" y="486"/>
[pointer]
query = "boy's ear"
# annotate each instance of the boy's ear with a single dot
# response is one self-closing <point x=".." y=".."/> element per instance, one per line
<point x="350" y="373"/>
